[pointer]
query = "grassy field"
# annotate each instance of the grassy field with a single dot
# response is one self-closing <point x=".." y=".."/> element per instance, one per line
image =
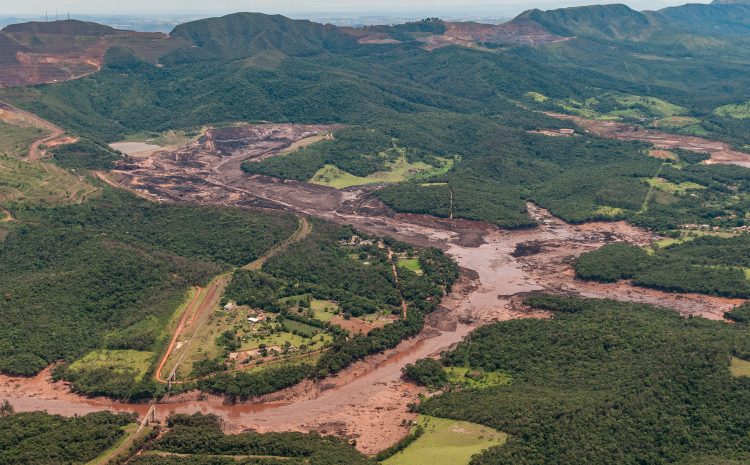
<point x="447" y="442"/>
<point x="117" y="360"/>
<point x="739" y="367"/>
<point x="323" y="309"/>
<point x="15" y="140"/>
<point x="654" y="105"/>
<point x="537" y="97"/>
<point x="171" y="138"/>
<point x="676" y="122"/>
<point x="34" y="183"/>
<point x="411" y="264"/>
<point x="672" y="188"/>
<point x="609" y="212"/>
<point x="401" y="170"/>
<point x="686" y="236"/>
<point x="736" y="111"/>
<point x="39" y="183"/>
<point x="477" y="378"/>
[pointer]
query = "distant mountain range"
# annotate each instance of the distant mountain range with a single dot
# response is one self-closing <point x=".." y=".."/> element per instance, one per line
<point x="38" y="52"/>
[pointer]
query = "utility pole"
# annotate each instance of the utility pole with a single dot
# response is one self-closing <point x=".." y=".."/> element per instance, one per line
<point x="46" y="18"/>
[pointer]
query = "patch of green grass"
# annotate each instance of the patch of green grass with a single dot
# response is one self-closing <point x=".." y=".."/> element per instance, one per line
<point x="447" y="442"/>
<point x="324" y="309"/>
<point x="672" y="188"/>
<point x="15" y="140"/>
<point x="472" y="378"/>
<point x="119" y="361"/>
<point x="675" y="122"/>
<point x="280" y="338"/>
<point x="537" y="97"/>
<point x="399" y="171"/>
<point x="39" y="183"/>
<point x="736" y="111"/>
<point x="655" y="106"/>
<point x="607" y="211"/>
<point x="739" y="367"/>
<point x="411" y="264"/>
<point x="301" y="327"/>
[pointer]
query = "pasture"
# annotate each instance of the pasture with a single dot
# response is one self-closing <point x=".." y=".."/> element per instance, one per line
<point x="447" y="442"/>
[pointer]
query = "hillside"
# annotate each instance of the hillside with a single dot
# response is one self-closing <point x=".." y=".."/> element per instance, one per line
<point x="243" y="35"/>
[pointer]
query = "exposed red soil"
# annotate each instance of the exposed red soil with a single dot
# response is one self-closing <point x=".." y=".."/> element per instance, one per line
<point x="36" y="53"/>
<point x="519" y="31"/>
<point x="721" y="152"/>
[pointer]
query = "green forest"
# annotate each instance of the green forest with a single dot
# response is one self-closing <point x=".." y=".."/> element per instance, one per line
<point x="41" y="439"/>
<point x="606" y="382"/>
<point x="109" y="273"/>
<point x="198" y="440"/>
<point x="706" y="265"/>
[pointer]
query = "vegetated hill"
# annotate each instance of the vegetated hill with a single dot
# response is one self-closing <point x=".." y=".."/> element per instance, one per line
<point x="243" y="35"/>
<point x="614" y="22"/>
<point x="65" y="27"/>
<point x="713" y="19"/>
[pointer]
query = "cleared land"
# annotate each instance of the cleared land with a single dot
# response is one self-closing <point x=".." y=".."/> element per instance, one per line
<point x="736" y="111"/>
<point x="447" y="442"/>
<point x="117" y="361"/>
<point x="400" y="170"/>
<point x="739" y="367"/>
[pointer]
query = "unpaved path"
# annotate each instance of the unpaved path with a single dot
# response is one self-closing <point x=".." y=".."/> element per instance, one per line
<point x="304" y="230"/>
<point x="54" y="137"/>
<point x="205" y="300"/>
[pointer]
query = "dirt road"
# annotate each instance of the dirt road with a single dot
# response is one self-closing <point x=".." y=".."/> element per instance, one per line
<point x="204" y="301"/>
<point x="20" y="117"/>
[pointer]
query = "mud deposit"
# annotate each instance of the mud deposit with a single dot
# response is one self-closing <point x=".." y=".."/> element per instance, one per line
<point x="368" y="401"/>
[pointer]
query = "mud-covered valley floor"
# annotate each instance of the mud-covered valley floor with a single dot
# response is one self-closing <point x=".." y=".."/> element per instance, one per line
<point x="368" y="401"/>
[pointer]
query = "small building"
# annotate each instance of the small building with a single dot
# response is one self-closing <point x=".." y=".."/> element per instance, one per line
<point x="229" y="306"/>
<point x="253" y="319"/>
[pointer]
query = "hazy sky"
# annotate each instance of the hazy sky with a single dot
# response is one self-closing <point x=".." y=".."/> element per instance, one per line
<point x="38" y="7"/>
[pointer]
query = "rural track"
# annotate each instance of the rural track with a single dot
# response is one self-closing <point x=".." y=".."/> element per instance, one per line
<point x="55" y="132"/>
<point x="205" y="299"/>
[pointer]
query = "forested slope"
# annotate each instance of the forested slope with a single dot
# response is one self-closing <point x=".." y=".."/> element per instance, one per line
<point x="606" y="382"/>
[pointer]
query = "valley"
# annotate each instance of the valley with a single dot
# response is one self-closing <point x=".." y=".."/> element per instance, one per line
<point x="262" y="240"/>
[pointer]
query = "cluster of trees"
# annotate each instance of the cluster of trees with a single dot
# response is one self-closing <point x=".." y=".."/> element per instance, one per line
<point x="199" y="437"/>
<point x="606" y="382"/>
<point x="427" y="372"/>
<point x="357" y="276"/>
<point x="39" y="438"/>
<point x="85" y="154"/>
<point x="707" y="265"/>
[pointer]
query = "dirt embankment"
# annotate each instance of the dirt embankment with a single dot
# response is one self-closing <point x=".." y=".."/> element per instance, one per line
<point x="369" y="401"/>
<point x="721" y="152"/>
